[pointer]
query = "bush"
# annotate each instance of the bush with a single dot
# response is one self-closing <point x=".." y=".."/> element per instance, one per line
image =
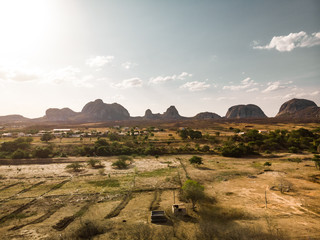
<point x="121" y="163"/>
<point x="268" y="164"/>
<point x="88" y="230"/>
<point x="293" y="150"/>
<point x="76" y="167"/>
<point x="40" y="152"/>
<point x="19" y="154"/>
<point x="95" y="163"/>
<point x="236" y="151"/>
<point x="196" y="160"/>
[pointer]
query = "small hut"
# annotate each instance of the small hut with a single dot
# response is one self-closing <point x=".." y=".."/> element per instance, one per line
<point x="179" y="209"/>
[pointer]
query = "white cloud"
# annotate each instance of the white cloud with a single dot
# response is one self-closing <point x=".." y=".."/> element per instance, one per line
<point x="225" y="98"/>
<point x="184" y="75"/>
<point x="19" y="74"/>
<point x="245" y="83"/>
<point x="253" y="90"/>
<point x="195" y="86"/>
<point x="273" y="86"/>
<point x="161" y="79"/>
<point x="291" y="41"/>
<point x="315" y="93"/>
<point x="128" y="83"/>
<point x="98" y="62"/>
<point x="69" y="75"/>
<point x="301" y="94"/>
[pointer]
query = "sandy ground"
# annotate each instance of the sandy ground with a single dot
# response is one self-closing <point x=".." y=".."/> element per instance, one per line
<point x="235" y="183"/>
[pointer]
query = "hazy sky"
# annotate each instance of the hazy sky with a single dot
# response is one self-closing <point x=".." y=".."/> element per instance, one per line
<point x="199" y="55"/>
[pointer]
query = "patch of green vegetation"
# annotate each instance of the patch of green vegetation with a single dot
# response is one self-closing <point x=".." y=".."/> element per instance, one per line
<point x="22" y="215"/>
<point x="156" y="173"/>
<point x="297" y="160"/>
<point x="106" y="183"/>
<point x="257" y="165"/>
<point x="227" y="175"/>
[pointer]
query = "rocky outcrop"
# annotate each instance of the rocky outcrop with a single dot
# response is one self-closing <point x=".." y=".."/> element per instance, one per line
<point x="206" y="115"/>
<point x="149" y="115"/>
<point x="298" y="108"/>
<point x="171" y="114"/>
<point x="58" y="115"/>
<point x="98" y="111"/>
<point x="245" y="111"/>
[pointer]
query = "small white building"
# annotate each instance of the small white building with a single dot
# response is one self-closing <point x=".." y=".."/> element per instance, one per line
<point x="6" y="135"/>
<point x="263" y="131"/>
<point x="21" y="134"/>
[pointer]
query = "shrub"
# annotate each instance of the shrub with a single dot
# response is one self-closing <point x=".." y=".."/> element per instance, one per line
<point x="205" y="148"/>
<point x="18" y="154"/>
<point x="121" y="163"/>
<point x="196" y="160"/>
<point x="76" y="167"/>
<point x="88" y="230"/>
<point x="95" y="163"/>
<point x="267" y="164"/>
<point x="293" y="149"/>
<point x="40" y="152"/>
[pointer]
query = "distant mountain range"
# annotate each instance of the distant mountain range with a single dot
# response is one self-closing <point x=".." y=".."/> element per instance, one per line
<point x="98" y="111"/>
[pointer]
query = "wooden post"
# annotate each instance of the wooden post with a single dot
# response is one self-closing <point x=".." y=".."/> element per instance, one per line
<point x="174" y="197"/>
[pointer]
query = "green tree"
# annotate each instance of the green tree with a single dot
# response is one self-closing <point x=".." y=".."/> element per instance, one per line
<point x="196" y="160"/>
<point x="193" y="191"/>
<point x="47" y="137"/>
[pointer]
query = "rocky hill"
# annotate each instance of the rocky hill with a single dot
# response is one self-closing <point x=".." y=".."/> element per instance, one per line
<point x="245" y="111"/>
<point x="98" y="111"/>
<point x="298" y="108"/>
<point x="151" y="116"/>
<point x="58" y="115"/>
<point x="170" y="114"/>
<point x="13" y="119"/>
<point x="207" y="115"/>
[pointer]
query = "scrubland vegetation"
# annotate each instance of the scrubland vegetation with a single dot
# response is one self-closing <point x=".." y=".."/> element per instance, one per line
<point x="234" y="182"/>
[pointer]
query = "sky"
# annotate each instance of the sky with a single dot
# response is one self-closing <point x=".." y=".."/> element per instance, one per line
<point x="146" y="54"/>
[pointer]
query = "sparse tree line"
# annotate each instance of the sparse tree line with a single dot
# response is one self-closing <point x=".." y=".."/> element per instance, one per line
<point x="193" y="142"/>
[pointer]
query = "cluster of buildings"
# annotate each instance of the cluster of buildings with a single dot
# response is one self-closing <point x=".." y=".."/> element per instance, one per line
<point x="66" y="132"/>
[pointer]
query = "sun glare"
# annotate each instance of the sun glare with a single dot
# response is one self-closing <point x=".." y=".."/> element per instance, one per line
<point x="23" y="26"/>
